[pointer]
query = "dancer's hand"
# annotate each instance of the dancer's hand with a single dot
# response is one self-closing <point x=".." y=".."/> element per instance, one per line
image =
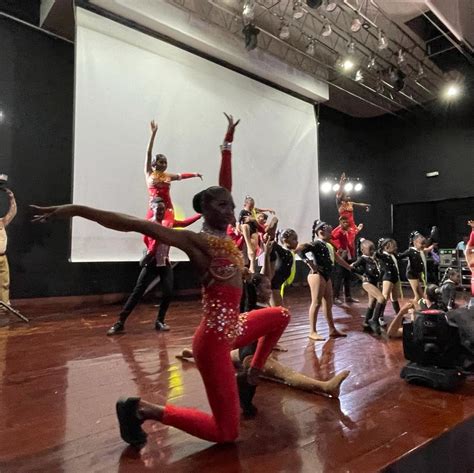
<point x="471" y="223"/>
<point x="43" y="214"/>
<point x="268" y="245"/>
<point x="367" y="208"/>
<point x="153" y="126"/>
<point x="230" y="119"/>
<point x="199" y="175"/>
<point x="360" y="227"/>
<point x="343" y="177"/>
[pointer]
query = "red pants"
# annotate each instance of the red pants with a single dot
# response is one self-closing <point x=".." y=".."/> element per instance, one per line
<point x="218" y="374"/>
<point x="470" y="244"/>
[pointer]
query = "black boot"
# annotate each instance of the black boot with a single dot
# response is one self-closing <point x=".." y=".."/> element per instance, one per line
<point x="368" y="315"/>
<point x="117" y="327"/>
<point x="374" y="322"/>
<point x="396" y="307"/>
<point x="246" y="394"/>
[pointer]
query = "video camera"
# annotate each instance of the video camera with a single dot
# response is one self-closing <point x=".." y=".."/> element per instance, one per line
<point x="3" y="181"/>
<point x="432" y="343"/>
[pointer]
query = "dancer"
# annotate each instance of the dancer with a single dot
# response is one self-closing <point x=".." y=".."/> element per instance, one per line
<point x="283" y="261"/>
<point x="417" y="270"/>
<point x="391" y="285"/>
<point x="470" y="261"/>
<point x="345" y="205"/>
<point x="319" y="278"/>
<point x="157" y="179"/>
<point x="367" y="266"/>
<point x="155" y="263"/>
<point x="4" y="268"/>
<point x="343" y="238"/>
<point x="222" y="327"/>
<point x="451" y="279"/>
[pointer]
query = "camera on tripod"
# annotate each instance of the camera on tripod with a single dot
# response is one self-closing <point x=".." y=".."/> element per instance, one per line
<point x="438" y="358"/>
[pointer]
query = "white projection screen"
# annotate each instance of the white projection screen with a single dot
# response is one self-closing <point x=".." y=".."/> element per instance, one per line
<point x="125" y="78"/>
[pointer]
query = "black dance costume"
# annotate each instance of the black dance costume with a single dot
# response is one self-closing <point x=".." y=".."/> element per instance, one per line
<point x="284" y="260"/>
<point x="368" y="267"/>
<point x="252" y="223"/>
<point x="448" y="294"/>
<point x="323" y="257"/>
<point x="416" y="268"/>
<point x="388" y="267"/>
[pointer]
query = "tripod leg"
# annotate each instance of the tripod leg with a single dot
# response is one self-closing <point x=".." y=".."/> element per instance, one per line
<point x="13" y="311"/>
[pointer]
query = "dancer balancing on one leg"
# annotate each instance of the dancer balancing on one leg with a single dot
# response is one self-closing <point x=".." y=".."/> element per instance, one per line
<point x="324" y="257"/>
<point x="345" y="205"/>
<point x="367" y="266"/>
<point x="222" y="327"/>
<point x="158" y="181"/>
<point x="155" y="263"/>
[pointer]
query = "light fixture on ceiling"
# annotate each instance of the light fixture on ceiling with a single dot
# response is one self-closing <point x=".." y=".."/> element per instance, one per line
<point x="298" y="11"/>
<point x="326" y="187"/>
<point x="372" y="64"/>
<point x="284" y="32"/>
<point x="248" y="11"/>
<point x="379" y="85"/>
<point x="359" y="76"/>
<point x="451" y="91"/>
<point x="420" y="71"/>
<point x="327" y="30"/>
<point x="250" y="32"/>
<point x="351" y="48"/>
<point x="401" y="59"/>
<point x="382" y="42"/>
<point x="347" y="65"/>
<point x="310" y="49"/>
<point x="396" y="78"/>
<point x="356" y="25"/>
<point x="330" y="5"/>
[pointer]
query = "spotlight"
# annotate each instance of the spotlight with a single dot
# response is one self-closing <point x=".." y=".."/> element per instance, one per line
<point x="330" y="5"/>
<point x="379" y="86"/>
<point x="451" y="91"/>
<point x="348" y="187"/>
<point x="401" y="58"/>
<point x="358" y="187"/>
<point x="382" y="41"/>
<point x="284" y="31"/>
<point x="347" y="65"/>
<point x="421" y="71"/>
<point x="372" y="65"/>
<point x="327" y="30"/>
<point x="248" y="12"/>
<point x="396" y="78"/>
<point x="350" y="47"/>
<point x="2" y="116"/>
<point x="326" y="187"/>
<point x="356" y="25"/>
<point x="310" y="47"/>
<point x="335" y="187"/>
<point x="359" y="76"/>
<point x="298" y="11"/>
<point x="251" y="33"/>
<point x="314" y="3"/>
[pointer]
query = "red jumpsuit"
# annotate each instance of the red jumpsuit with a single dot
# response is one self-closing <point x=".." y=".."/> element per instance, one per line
<point x="222" y="329"/>
<point x="470" y="260"/>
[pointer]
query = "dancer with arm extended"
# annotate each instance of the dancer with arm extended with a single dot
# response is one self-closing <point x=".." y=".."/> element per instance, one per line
<point x="470" y="260"/>
<point x="321" y="266"/>
<point x="345" y="205"/>
<point x="155" y="263"/>
<point x="158" y="181"/>
<point x="222" y="327"/>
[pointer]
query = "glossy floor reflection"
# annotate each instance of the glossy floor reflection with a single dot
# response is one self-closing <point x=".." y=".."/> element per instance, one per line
<point x="61" y="377"/>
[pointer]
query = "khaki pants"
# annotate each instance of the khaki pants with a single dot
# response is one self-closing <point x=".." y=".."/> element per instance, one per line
<point x="4" y="280"/>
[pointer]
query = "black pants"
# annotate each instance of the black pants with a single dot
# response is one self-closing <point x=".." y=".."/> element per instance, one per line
<point x="147" y="275"/>
<point x="342" y="275"/>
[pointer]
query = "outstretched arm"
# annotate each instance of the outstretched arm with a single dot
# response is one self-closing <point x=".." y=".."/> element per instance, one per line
<point x="186" y="222"/>
<point x="183" y="240"/>
<point x="340" y="194"/>
<point x="394" y="329"/>
<point x="184" y="175"/>
<point x="12" y="209"/>
<point x="149" y="151"/>
<point x="342" y="262"/>
<point x="225" y="173"/>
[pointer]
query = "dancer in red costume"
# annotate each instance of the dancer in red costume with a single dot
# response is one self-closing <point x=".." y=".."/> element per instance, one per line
<point x="222" y="327"/>
<point x="345" y="205"/>
<point x="158" y="181"/>
<point x="470" y="260"/>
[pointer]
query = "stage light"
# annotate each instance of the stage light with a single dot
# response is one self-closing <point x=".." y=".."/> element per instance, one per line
<point x="348" y="187"/>
<point x="2" y="116"/>
<point x="421" y="71"/>
<point x="298" y="11"/>
<point x="330" y="5"/>
<point x="250" y="32"/>
<point x="356" y="25"/>
<point x="284" y="33"/>
<point x="351" y="48"/>
<point x="327" y="30"/>
<point x="248" y="12"/>
<point x="310" y="48"/>
<point x="401" y="59"/>
<point x="452" y="91"/>
<point x="314" y="3"/>
<point x="347" y="65"/>
<point x="372" y="65"/>
<point x="382" y="42"/>
<point x="326" y="187"/>
<point x="359" y="76"/>
<point x="396" y="78"/>
<point x="358" y="187"/>
<point x="335" y="187"/>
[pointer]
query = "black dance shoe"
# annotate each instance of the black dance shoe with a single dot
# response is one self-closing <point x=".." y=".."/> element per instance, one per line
<point x="161" y="326"/>
<point x="246" y="394"/>
<point x="117" y="327"/>
<point x="130" y="424"/>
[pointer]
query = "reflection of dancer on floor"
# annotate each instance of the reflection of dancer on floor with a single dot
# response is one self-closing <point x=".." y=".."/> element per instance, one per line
<point x="158" y="181"/>
<point x="156" y="263"/>
<point x="470" y="260"/>
<point x="367" y="266"/>
<point x="324" y="257"/>
<point x="417" y="269"/>
<point x="222" y="327"/>
<point x="259" y="297"/>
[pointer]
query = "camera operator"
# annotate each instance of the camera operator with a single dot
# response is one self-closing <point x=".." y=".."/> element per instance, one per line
<point x="4" y="269"/>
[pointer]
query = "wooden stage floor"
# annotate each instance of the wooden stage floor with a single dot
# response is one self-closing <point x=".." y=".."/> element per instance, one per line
<point x="61" y="377"/>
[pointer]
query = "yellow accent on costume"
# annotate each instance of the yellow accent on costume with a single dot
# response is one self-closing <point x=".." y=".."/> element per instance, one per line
<point x="291" y="277"/>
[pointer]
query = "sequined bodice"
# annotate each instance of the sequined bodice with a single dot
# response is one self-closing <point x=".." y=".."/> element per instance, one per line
<point x="226" y="258"/>
<point x="158" y="179"/>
